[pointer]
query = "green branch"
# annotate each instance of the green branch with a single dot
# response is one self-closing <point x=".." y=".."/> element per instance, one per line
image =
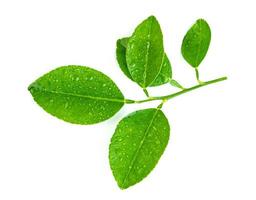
<point x="170" y="96"/>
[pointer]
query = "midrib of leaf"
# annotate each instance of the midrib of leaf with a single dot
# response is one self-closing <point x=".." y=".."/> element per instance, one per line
<point x="131" y="165"/>
<point x="147" y="53"/>
<point x="79" y="95"/>
<point x="200" y="43"/>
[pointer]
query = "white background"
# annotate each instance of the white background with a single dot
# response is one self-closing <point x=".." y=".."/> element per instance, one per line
<point x="212" y="150"/>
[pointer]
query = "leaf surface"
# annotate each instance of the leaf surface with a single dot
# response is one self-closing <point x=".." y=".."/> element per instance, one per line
<point x="165" y="73"/>
<point x="145" y="52"/>
<point x="77" y="94"/>
<point x="121" y="45"/>
<point x="137" y="145"/>
<point x="196" y="43"/>
<point x="163" y="77"/>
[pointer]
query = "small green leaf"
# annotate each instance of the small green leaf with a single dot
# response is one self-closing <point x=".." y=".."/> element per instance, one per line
<point x="137" y="145"/>
<point x="163" y="77"/>
<point x="176" y="84"/>
<point x="145" y="52"/>
<point x="196" y="43"/>
<point x="77" y="94"/>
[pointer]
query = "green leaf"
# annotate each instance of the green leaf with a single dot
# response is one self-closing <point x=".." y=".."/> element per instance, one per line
<point x="165" y="73"/>
<point x="145" y="52"/>
<point x="137" y="145"/>
<point x="163" y="77"/>
<point x="196" y="43"/>
<point x="121" y="45"/>
<point x="77" y="94"/>
<point x="176" y="84"/>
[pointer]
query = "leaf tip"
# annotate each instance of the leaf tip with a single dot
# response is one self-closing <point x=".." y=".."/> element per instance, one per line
<point x="152" y="18"/>
<point x="30" y="87"/>
<point x="201" y="20"/>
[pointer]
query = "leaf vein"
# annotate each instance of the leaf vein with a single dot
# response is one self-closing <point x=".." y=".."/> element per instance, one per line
<point x="80" y="95"/>
<point x="131" y="165"/>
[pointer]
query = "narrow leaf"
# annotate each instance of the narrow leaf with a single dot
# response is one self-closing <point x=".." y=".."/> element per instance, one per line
<point x="196" y="43"/>
<point x="77" y="94"/>
<point x="137" y="145"/>
<point x="121" y="45"/>
<point x="176" y="84"/>
<point x="145" y="52"/>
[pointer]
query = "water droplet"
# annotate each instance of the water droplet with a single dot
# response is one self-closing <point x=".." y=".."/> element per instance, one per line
<point x="77" y="78"/>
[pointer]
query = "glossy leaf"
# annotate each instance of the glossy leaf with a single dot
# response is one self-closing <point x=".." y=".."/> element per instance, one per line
<point x="196" y="43"/>
<point x="165" y="73"/>
<point x="77" y="94"/>
<point x="145" y="52"/>
<point x="137" y="145"/>
<point x="163" y="77"/>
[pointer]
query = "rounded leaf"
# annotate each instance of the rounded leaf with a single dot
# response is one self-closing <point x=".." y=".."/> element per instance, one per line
<point x="196" y="43"/>
<point x="77" y="94"/>
<point x="137" y="145"/>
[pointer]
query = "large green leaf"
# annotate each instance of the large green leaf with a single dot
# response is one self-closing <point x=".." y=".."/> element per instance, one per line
<point x="77" y="94"/>
<point x="163" y="77"/>
<point x="137" y="145"/>
<point x="196" y="43"/>
<point x="145" y="52"/>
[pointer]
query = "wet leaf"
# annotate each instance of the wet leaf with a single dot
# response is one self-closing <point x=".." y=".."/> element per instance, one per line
<point x="165" y="73"/>
<point x="77" y="94"/>
<point x="163" y="77"/>
<point x="145" y="52"/>
<point x="196" y="43"/>
<point x="137" y="145"/>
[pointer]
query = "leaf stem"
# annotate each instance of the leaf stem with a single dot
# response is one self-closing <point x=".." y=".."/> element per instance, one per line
<point x="170" y="96"/>
<point x="198" y="77"/>
<point x="146" y="92"/>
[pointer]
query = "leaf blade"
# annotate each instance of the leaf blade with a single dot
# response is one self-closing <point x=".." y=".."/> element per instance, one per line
<point x="145" y="52"/>
<point x="196" y="42"/>
<point x="164" y="75"/>
<point x="137" y="145"/>
<point x="74" y="94"/>
<point x="121" y="46"/>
